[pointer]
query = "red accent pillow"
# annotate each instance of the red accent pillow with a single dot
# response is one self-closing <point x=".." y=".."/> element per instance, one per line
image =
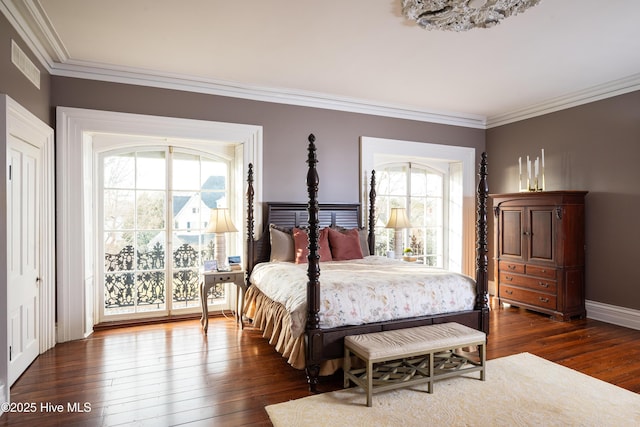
<point x="345" y="244"/>
<point x="301" y="244"/>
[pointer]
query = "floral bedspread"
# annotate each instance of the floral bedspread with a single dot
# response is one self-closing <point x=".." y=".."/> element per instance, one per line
<point x="366" y="290"/>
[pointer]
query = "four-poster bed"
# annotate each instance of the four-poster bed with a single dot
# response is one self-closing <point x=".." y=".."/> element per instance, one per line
<point x="313" y="339"/>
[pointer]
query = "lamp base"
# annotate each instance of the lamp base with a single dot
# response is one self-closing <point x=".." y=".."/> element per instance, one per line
<point x="220" y="252"/>
<point x="398" y="244"/>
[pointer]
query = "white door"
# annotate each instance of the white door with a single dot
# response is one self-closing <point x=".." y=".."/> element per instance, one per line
<point x="23" y="260"/>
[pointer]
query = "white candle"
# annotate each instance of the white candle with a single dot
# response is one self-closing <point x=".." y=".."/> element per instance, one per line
<point x="528" y="168"/>
<point x="536" y="166"/>
<point x="520" y="165"/>
<point x="543" y="158"/>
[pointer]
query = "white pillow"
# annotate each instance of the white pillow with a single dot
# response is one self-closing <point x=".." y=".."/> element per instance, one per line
<point x="282" y="247"/>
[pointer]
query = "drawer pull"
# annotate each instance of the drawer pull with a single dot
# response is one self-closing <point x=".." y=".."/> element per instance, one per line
<point x="544" y="285"/>
<point x="543" y="270"/>
<point x="509" y="278"/>
<point x="545" y="300"/>
<point x="508" y="292"/>
<point x="511" y="267"/>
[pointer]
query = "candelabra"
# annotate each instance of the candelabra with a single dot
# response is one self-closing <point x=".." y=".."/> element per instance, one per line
<point x="534" y="174"/>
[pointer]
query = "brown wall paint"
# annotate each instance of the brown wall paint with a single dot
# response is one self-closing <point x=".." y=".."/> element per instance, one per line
<point x="593" y="147"/>
<point x="285" y="128"/>
<point x="15" y="84"/>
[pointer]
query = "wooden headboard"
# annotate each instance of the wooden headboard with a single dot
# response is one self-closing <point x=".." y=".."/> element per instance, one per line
<point x="289" y="215"/>
<point x="331" y="214"/>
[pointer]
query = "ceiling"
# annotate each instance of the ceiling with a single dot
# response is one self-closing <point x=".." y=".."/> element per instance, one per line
<point x="354" y="55"/>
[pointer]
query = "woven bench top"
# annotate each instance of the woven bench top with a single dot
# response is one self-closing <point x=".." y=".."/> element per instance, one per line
<point x="398" y="343"/>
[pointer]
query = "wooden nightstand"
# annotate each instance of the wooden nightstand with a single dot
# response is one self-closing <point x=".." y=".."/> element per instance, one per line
<point x="210" y="279"/>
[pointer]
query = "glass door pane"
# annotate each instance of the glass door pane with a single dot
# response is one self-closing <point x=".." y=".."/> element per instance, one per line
<point x="133" y="212"/>
<point x="200" y="184"/>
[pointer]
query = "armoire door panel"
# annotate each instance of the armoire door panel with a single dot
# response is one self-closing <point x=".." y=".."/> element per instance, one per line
<point x="541" y="234"/>
<point x="512" y="237"/>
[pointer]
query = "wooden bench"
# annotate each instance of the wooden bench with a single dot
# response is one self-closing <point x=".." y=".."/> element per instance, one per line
<point x="405" y="357"/>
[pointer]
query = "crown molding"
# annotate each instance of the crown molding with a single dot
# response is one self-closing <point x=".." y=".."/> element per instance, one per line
<point x="103" y="72"/>
<point x="143" y="77"/>
<point x="33" y="25"/>
<point x="592" y="94"/>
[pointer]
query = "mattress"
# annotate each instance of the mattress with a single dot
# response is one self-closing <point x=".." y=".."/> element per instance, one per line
<point x="368" y="290"/>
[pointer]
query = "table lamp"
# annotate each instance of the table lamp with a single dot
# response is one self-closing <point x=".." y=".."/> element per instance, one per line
<point x="220" y="223"/>
<point x="398" y="221"/>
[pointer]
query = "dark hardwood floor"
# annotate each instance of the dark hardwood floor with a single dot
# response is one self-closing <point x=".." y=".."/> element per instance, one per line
<point x="172" y="374"/>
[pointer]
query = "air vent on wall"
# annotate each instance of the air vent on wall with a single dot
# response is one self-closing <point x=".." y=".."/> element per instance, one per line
<point x="24" y="64"/>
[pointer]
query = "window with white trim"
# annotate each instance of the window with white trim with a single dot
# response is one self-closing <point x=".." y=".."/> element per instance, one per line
<point x="415" y="174"/>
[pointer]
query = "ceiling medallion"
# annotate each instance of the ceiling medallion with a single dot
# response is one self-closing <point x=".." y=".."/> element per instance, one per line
<point x="462" y="15"/>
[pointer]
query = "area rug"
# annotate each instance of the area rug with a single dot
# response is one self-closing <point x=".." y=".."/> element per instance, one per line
<point x="520" y="390"/>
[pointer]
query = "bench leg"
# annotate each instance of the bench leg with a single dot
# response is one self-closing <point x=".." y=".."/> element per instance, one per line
<point x="482" y="350"/>
<point x="431" y="372"/>
<point x="369" y="383"/>
<point x="346" y="366"/>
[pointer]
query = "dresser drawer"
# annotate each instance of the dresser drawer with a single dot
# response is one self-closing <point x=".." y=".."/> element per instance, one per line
<point x="533" y="283"/>
<point x="536" y="270"/>
<point x="512" y="267"/>
<point x="526" y="296"/>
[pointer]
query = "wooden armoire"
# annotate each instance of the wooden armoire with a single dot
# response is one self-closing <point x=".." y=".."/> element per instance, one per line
<point x="540" y="251"/>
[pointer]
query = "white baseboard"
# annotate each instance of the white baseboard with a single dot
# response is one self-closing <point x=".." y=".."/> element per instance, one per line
<point x="616" y="315"/>
<point x="613" y="314"/>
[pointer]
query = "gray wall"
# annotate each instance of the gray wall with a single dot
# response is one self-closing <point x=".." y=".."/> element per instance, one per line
<point x="285" y="127"/>
<point x="593" y="147"/>
<point x="15" y="84"/>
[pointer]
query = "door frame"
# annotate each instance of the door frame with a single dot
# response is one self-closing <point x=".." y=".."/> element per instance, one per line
<point x="75" y="187"/>
<point x="18" y="121"/>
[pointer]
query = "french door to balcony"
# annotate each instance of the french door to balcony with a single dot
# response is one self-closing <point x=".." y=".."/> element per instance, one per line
<point x="155" y="207"/>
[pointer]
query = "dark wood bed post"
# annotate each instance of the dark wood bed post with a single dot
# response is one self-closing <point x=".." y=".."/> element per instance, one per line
<point x="482" y="277"/>
<point x="313" y="337"/>
<point x="372" y="215"/>
<point x="250" y="222"/>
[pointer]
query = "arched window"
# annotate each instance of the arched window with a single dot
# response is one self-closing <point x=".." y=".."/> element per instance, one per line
<point x="436" y="185"/>
<point x="420" y="190"/>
